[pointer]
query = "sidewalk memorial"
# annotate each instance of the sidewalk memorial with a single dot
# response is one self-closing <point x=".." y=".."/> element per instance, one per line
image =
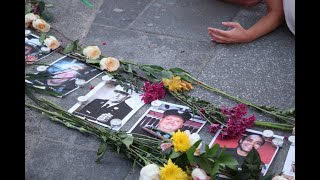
<point x="108" y="105"/>
<point x="163" y="118"/>
<point x="61" y="75"/>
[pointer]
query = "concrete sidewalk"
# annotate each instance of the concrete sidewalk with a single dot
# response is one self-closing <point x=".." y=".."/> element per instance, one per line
<point x="169" y="33"/>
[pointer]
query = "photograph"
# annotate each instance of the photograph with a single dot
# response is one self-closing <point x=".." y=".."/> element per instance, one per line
<point x="289" y="165"/>
<point x="108" y="105"/>
<point x="62" y="74"/>
<point x="163" y="118"/>
<point x="33" y="51"/>
<point x="240" y="147"/>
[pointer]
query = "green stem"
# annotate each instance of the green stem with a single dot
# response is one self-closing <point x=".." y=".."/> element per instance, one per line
<point x="273" y="126"/>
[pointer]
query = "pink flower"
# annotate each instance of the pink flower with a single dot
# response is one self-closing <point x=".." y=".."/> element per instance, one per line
<point x="236" y="123"/>
<point x="165" y="146"/>
<point x="213" y="128"/>
<point x="91" y="87"/>
<point x="153" y="92"/>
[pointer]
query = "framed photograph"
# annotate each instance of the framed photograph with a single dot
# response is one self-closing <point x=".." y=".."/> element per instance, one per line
<point x="289" y="165"/>
<point x="240" y="147"/>
<point x="108" y="105"/>
<point x="62" y="74"/>
<point x="33" y="51"/>
<point x="163" y="118"/>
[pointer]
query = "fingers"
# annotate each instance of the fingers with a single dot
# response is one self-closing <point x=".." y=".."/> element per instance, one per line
<point x="218" y="32"/>
<point x="218" y="38"/>
<point x="231" y="24"/>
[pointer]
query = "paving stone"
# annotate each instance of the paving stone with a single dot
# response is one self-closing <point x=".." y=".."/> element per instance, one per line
<point x="120" y="13"/>
<point x="54" y="160"/>
<point x="188" y="19"/>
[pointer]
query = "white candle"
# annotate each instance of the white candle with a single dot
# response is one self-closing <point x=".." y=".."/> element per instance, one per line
<point x="106" y="78"/>
<point x="82" y="99"/>
<point x="80" y="82"/>
<point x="267" y="134"/>
<point x="292" y="140"/>
<point x="27" y="32"/>
<point x="156" y="103"/>
<point x="41" y="68"/>
<point x="277" y="142"/>
<point x="115" y="123"/>
<point x="45" y="50"/>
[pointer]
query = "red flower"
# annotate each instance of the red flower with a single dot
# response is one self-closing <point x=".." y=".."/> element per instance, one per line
<point x="237" y="123"/>
<point x="153" y="92"/>
<point x="91" y="87"/>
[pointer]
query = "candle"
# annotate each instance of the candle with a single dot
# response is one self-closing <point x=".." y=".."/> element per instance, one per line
<point x="45" y="50"/>
<point x="292" y="140"/>
<point x="41" y="68"/>
<point x="267" y="134"/>
<point x="106" y="78"/>
<point x="80" y="82"/>
<point x="156" y="103"/>
<point x="27" y="32"/>
<point x="82" y="99"/>
<point x="276" y="142"/>
<point x="115" y="123"/>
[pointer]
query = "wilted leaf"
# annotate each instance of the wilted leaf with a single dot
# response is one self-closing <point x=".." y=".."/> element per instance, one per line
<point x="102" y="149"/>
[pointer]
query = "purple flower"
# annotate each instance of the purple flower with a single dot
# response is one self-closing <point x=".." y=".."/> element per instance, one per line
<point x="213" y="128"/>
<point x="153" y="92"/>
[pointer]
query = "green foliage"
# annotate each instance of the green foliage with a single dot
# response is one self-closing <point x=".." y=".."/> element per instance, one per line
<point x="101" y="151"/>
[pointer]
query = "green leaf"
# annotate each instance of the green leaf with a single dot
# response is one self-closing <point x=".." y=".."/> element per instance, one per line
<point x="49" y="5"/>
<point x="27" y="8"/>
<point x="87" y="3"/>
<point x="228" y="160"/>
<point x="205" y="164"/>
<point x="159" y="68"/>
<point x="178" y="70"/>
<point x="70" y="47"/>
<point x="129" y="68"/>
<point x="43" y="36"/>
<point x="93" y="61"/>
<point x="101" y="151"/>
<point x="175" y="154"/>
<point x="215" y="168"/>
<point x="191" y="150"/>
<point x="41" y="7"/>
<point x="166" y="74"/>
<point x="149" y="71"/>
<point x="210" y="153"/>
<point x="128" y="141"/>
<point x="47" y="16"/>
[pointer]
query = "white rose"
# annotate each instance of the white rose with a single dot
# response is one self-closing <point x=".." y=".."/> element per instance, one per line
<point x="193" y="138"/>
<point x="29" y="18"/>
<point x="110" y="64"/>
<point x="92" y="52"/>
<point x="41" y="25"/>
<point x="199" y="174"/>
<point x="51" y="42"/>
<point x="150" y="172"/>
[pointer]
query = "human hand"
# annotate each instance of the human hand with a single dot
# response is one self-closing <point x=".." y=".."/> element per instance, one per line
<point x="236" y="35"/>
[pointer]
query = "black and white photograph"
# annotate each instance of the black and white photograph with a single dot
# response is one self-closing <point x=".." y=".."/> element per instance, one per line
<point x="108" y="105"/>
<point x="163" y="118"/>
<point x="33" y="51"/>
<point x="61" y="75"/>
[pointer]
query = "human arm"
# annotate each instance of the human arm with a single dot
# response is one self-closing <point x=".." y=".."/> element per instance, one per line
<point x="269" y="22"/>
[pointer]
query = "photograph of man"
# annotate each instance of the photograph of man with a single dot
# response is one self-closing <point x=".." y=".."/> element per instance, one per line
<point x="245" y="144"/>
<point x="62" y="74"/>
<point x="170" y="121"/>
<point x="103" y="110"/>
<point x="239" y="148"/>
<point x="33" y="49"/>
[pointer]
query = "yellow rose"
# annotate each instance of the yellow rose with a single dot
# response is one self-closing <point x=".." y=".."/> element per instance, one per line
<point x="92" y="52"/>
<point x="41" y="25"/>
<point x="29" y="18"/>
<point x="110" y="64"/>
<point x="51" y="42"/>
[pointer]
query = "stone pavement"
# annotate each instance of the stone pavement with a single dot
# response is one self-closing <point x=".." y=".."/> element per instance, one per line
<point x="169" y="33"/>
